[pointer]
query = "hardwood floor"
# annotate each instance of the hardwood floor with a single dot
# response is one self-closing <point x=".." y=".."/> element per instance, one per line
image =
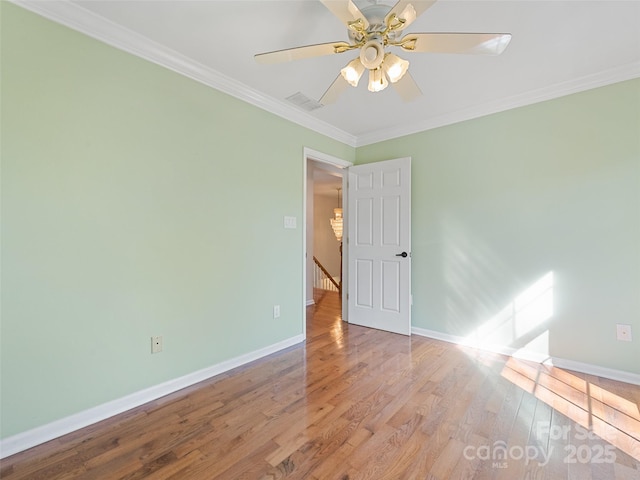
<point x="355" y="403"/>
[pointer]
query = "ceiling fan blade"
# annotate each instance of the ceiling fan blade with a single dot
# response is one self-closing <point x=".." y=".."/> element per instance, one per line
<point x="298" y="53"/>
<point x="336" y="89"/>
<point x="469" y="43"/>
<point x="407" y="88"/>
<point x="346" y="11"/>
<point x="406" y="11"/>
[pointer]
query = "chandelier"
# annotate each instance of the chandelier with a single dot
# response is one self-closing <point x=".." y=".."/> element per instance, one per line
<point x="336" y="221"/>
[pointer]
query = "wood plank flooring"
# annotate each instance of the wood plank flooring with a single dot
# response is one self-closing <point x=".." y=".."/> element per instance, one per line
<point x="356" y="403"/>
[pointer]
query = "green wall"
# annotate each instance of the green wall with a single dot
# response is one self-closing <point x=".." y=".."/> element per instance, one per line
<point x="503" y="203"/>
<point x="135" y="202"/>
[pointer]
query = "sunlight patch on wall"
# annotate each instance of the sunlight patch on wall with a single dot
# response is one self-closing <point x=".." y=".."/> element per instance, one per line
<point x="533" y="306"/>
<point x="519" y="323"/>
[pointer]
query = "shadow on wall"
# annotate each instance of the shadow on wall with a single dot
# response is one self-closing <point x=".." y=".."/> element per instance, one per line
<point x="482" y="301"/>
<point x="522" y="324"/>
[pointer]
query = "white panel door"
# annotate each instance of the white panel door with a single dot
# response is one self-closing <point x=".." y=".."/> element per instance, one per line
<point x="379" y="245"/>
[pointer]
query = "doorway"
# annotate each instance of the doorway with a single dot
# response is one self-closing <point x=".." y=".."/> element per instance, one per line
<point x="326" y="224"/>
<point x="376" y="262"/>
<point x="324" y="175"/>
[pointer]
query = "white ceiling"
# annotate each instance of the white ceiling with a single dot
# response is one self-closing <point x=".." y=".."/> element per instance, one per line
<point x="558" y="47"/>
<point x="326" y="179"/>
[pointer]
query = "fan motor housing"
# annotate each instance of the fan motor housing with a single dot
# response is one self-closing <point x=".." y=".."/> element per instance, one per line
<point x="375" y="15"/>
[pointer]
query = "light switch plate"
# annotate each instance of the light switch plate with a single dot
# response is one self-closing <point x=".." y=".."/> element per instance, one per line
<point x="290" y="222"/>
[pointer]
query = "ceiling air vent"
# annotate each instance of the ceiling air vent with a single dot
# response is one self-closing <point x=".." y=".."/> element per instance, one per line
<point x="301" y="100"/>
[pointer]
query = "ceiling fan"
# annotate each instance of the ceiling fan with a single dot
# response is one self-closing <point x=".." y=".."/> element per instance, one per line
<point x="372" y="31"/>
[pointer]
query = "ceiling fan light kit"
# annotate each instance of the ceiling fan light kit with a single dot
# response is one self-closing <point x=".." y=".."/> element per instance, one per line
<point x="372" y="54"/>
<point x="395" y="67"/>
<point x="353" y="71"/>
<point x="383" y="68"/>
<point x="372" y="31"/>
<point x="377" y="80"/>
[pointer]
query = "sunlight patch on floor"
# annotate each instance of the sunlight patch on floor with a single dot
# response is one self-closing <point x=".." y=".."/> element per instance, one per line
<point x="609" y="416"/>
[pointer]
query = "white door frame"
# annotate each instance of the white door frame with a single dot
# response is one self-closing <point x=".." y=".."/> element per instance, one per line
<point x="310" y="154"/>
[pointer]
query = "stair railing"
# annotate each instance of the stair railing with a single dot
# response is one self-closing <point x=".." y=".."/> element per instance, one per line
<point x="322" y="279"/>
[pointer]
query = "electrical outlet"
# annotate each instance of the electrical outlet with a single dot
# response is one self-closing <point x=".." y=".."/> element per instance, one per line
<point x="623" y="332"/>
<point x="156" y="344"/>
<point x="276" y="311"/>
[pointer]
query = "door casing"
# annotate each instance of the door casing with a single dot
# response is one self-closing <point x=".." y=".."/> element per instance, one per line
<point x="310" y="154"/>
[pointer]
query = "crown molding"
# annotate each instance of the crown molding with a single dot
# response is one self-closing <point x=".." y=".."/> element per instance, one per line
<point x="82" y="20"/>
<point x="588" y="82"/>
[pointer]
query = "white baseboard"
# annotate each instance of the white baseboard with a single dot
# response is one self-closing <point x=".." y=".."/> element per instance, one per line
<point x="613" y="374"/>
<point x="31" y="438"/>
<point x="310" y="302"/>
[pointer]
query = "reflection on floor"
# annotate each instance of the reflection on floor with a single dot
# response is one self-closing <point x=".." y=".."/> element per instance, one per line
<point x="357" y="403"/>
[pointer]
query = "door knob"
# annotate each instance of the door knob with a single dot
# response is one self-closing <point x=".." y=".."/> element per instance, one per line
<point x="403" y="254"/>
